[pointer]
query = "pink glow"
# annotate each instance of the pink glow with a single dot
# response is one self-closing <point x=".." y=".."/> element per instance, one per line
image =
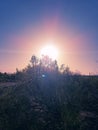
<point x="74" y="47"/>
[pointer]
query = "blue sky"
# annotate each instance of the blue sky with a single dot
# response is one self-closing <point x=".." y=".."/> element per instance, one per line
<point x="16" y="15"/>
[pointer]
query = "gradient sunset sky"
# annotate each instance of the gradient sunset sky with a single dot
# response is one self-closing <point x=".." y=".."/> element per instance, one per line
<point x="26" y="26"/>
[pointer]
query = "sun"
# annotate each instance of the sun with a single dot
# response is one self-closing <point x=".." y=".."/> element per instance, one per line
<point x="50" y="50"/>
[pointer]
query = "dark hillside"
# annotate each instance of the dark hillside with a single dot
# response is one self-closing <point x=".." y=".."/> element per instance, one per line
<point x="43" y="97"/>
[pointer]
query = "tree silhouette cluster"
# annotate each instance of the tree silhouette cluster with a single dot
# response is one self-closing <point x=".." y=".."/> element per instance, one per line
<point x="48" y="97"/>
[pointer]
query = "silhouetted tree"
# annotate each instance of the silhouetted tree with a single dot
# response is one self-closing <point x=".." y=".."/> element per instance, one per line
<point x="34" y="60"/>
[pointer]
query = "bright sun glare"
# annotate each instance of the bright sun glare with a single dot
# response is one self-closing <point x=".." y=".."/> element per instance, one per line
<point x="50" y="51"/>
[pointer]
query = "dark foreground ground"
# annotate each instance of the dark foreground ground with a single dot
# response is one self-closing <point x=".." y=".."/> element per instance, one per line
<point x="50" y="103"/>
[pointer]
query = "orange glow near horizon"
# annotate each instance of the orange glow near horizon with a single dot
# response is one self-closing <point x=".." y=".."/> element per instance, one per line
<point x="69" y="43"/>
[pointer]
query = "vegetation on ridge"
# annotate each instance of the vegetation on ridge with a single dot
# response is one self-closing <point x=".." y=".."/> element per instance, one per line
<point x="44" y="96"/>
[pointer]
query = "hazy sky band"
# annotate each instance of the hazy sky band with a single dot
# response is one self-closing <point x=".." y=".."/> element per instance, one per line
<point x="25" y="26"/>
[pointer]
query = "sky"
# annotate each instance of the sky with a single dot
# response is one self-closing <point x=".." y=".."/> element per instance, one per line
<point x="26" y="26"/>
